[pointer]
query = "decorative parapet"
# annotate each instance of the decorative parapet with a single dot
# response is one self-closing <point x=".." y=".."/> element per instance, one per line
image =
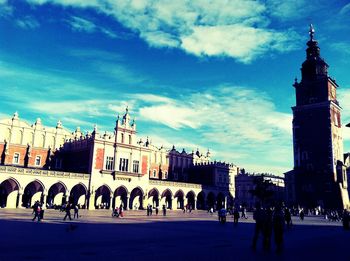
<point x="44" y="173"/>
<point x="174" y="184"/>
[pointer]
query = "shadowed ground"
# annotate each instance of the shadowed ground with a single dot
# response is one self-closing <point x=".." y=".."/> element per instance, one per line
<point x="179" y="236"/>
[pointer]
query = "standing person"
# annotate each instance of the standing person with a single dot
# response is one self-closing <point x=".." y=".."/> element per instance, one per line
<point x="235" y="216"/>
<point x="37" y="211"/>
<point x="147" y="210"/>
<point x="301" y="214"/>
<point x="164" y="210"/>
<point x="68" y="207"/>
<point x="278" y="223"/>
<point x="288" y="217"/>
<point x="258" y="216"/>
<point x="157" y="210"/>
<point x="76" y="211"/>
<point x="267" y="229"/>
<point x="121" y="210"/>
<point x="244" y="213"/>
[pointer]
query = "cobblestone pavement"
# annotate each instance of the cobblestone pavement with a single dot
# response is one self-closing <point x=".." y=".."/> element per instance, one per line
<point x="178" y="236"/>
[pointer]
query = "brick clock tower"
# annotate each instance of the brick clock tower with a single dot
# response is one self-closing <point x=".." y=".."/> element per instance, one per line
<point x="319" y="175"/>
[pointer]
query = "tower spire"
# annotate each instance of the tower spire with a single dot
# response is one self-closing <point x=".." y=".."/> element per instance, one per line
<point x="311" y="32"/>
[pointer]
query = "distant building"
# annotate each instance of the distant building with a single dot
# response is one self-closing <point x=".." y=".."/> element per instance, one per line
<point x="318" y="177"/>
<point x="246" y="182"/>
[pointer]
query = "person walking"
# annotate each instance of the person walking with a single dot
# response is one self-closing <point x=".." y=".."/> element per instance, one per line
<point x="121" y="210"/>
<point x="244" y="213"/>
<point x="267" y="229"/>
<point x="157" y="210"/>
<point x="68" y="214"/>
<point x="147" y="210"/>
<point x="76" y="211"/>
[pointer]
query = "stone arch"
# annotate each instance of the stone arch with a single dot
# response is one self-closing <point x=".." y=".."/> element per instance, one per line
<point x="153" y="197"/>
<point x="120" y="197"/>
<point x="33" y="192"/>
<point x="103" y="197"/>
<point x="211" y="200"/>
<point x="136" y="197"/>
<point x="78" y="195"/>
<point x="9" y="191"/>
<point x="167" y="198"/>
<point x="201" y="200"/>
<point x="190" y="199"/>
<point x="220" y="201"/>
<point x="179" y="195"/>
<point x="56" y="194"/>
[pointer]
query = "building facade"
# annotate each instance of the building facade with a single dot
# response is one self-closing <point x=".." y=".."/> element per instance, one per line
<point x="101" y="169"/>
<point x="318" y="177"/>
<point x="246" y="183"/>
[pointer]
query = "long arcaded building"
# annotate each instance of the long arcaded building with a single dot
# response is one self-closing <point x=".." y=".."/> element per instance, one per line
<point x="100" y="169"/>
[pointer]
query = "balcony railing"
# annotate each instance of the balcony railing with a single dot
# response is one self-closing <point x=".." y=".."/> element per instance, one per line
<point x="43" y="173"/>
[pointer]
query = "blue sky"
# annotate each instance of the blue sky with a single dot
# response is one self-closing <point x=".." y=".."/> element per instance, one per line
<point x="197" y="74"/>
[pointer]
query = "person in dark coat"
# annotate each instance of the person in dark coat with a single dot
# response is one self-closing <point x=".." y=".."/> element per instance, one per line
<point x="259" y="217"/>
<point x="278" y="224"/>
<point x="68" y="207"/>
<point x="164" y="210"/>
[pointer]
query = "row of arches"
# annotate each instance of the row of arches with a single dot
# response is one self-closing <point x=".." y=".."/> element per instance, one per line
<point x="104" y="197"/>
<point x="34" y="191"/>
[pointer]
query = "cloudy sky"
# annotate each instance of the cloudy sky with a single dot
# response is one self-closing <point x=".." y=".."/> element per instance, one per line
<point x="214" y="74"/>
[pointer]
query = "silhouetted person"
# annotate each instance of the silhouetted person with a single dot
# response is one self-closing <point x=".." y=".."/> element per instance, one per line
<point x="76" y="211"/>
<point x="278" y="223"/>
<point x="37" y="211"/>
<point x="235" y="216"/>
<point x="259" y="217"/>
<point x="244" y="213"/>
<point x="288" y="217"/>
<point x="346" y="219"/>
<point x="157" y="210"/>
<point x="301" y="214"/>
<point x="147" y="210"/>
<point x="164" y="210"/>
<point x="68" y="207"/>
<point x="267" y="229"/>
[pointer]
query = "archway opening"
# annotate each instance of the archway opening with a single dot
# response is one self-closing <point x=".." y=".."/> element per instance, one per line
<point x="179" y="195"/>
<point x="167" y="199"/>
<point x="78" y="195"/>
<point x="153" y="197"/>
<point x="33" y="192"/>
<point x="56" y="195"/>
<point x="103" y="197"/>
<point x="136" y="197"/>
<point x="201" y="200"/>
<point x="190" y="200"/>
<point x="120" y="198"/>
<point x="211" y="200"/>
<point x="220" y="201"/>
<point x="9" y="193"/>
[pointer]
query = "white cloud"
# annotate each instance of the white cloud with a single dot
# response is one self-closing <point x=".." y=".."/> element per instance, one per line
<point x="345" y="9"/>
<point x="83" y="25"/>
<point x="27" y="22"/>
<point x="233" y="28"/>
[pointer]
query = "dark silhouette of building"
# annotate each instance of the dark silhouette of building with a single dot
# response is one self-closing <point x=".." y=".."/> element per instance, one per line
<point x="319" y="175"/>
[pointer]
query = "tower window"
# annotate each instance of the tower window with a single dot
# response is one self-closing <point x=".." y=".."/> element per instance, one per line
<point x="130" y="139"/>
<point x="123" y="164"/>
<point x="122" y="137"/>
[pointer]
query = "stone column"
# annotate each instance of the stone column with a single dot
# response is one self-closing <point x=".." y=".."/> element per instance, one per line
<point x="144" y="201"/>
<point x="195" y="203"/>
<point x="127" y="207"/>
<point x="111" y="201"/>
<point x="91" y="204"/>
<point x="225" y="202"/>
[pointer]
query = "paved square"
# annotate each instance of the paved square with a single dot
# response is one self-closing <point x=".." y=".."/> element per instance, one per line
<point x="178" y="236"/>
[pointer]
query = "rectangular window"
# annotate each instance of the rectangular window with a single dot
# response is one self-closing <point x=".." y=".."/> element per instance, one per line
<point x="37" y="160"/>
<point x="123" y="164"/>
<point x="135" y="166"/>
<point x="130" y="139"/>
<point x="16" y="158"/>
<point x="154" y="173"/>
<point x="109" y="163"/>
<point x="166" y="175"/>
